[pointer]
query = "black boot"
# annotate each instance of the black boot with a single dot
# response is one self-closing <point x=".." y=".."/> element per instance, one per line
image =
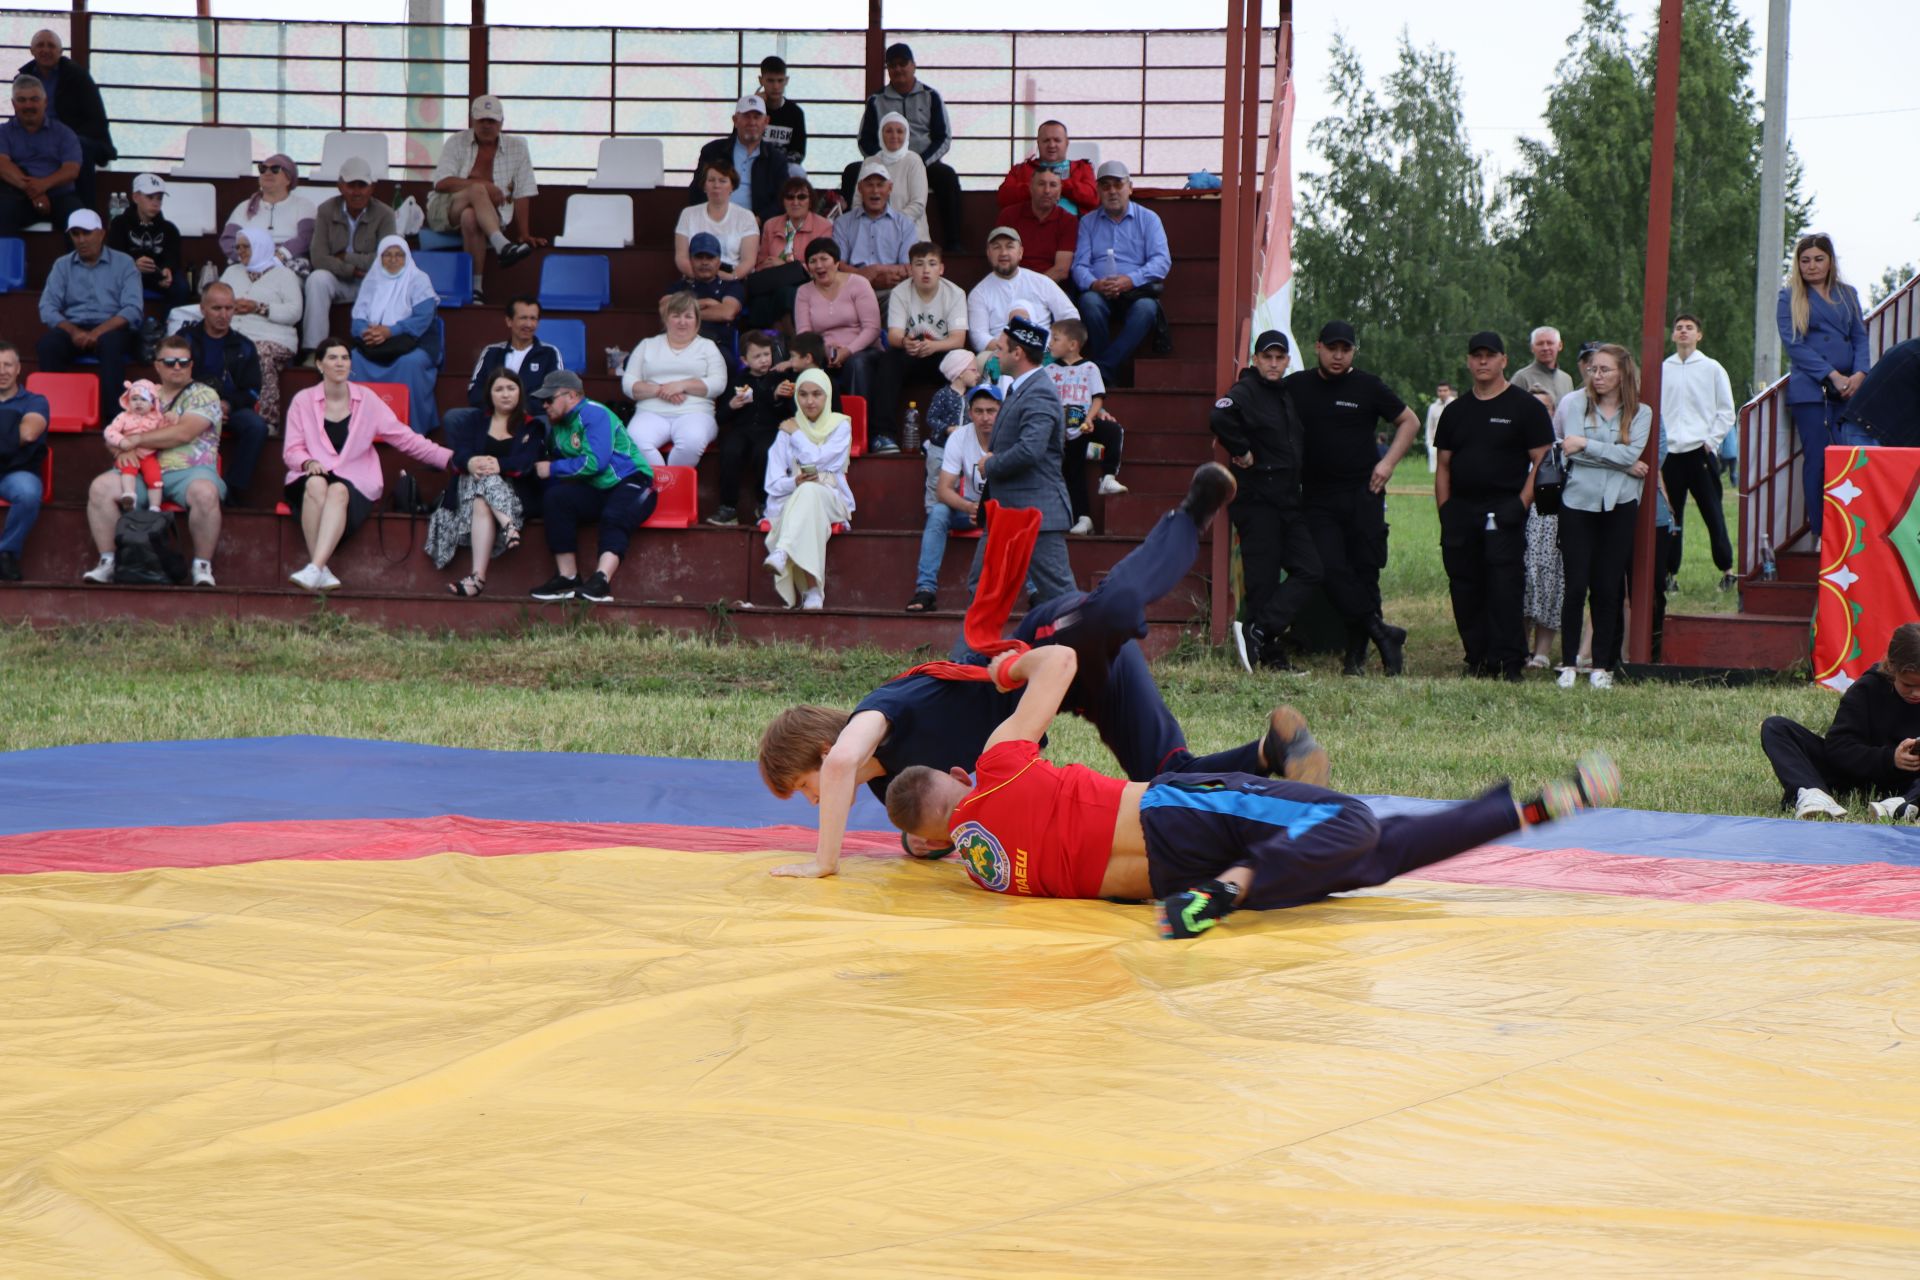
<point x="1355" y="663"/>
<point x="1391" y="641"/>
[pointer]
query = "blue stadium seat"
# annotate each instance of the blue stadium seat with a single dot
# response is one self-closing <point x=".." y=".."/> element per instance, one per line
<point x="451" y="273"/>
<point x="569" y="338"/>
<point x="13" y="263"/>
<point x="431" y="239"/>
<point x="576" y="282"/>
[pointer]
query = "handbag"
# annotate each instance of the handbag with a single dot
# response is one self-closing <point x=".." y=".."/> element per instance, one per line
<point x="1550" y="482"/>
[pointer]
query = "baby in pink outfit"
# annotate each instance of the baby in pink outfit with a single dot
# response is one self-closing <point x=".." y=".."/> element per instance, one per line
<point x="139" y="414"/>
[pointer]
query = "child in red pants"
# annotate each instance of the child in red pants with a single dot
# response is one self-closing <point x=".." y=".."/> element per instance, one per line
<point x="139" y="413"/>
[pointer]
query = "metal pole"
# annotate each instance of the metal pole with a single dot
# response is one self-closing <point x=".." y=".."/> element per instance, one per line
<point x="1226" y="318"/>
<point x="80" y="33"/>
<point x="477" y="41"/>
<point x="1653" y="314"/>
<point x="1773" y="201"/>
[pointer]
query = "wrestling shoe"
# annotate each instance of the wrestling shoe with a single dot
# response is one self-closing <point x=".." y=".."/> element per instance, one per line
<point x="1212" y="488"/>
<point x="1894" y="809"/>
<point x="1594" y="784"/>
<point x="1812" y="802"/>
<point x="1192" y="912"/>
<point x="1291" y="752"/>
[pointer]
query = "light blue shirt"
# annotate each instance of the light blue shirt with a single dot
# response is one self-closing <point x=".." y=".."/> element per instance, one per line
<point x="869" y="242"/>
<point x="1135" y="247"/>
<point x="743" y="165"/>
<point x="91" y="295"/>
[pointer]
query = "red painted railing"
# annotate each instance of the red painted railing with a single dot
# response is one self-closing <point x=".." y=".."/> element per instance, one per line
<point x="1773" y="508"/>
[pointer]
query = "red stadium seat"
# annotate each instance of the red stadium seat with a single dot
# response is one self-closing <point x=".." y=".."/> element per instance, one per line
<point x="73" y="398"/>
<point x="677" y="505"/>
<point x="46" y="479"/>
<point x="855" y="407"/>
<point x="395" y="395"/>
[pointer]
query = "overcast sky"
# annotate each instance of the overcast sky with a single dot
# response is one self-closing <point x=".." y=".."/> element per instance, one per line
<point x="1853" y="107"/>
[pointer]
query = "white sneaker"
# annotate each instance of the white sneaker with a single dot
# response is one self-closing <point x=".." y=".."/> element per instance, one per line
<point x="102" y="572"/>
<point x="326" y="579"/>
<point x="1815" y="803"/>
<point x="814" y="599"/>
<point x="1600" y="679"/>
<point x="1568" y="677"/>
<point x="1110" y="485"/>
<point x="1893" y="809"/>
<point x="1240" y="645"/>
<point x="203" y="573"/>
<point x="307" y="579"/>
<point x="1083" y="525"/>
<point x="776" y="561"/>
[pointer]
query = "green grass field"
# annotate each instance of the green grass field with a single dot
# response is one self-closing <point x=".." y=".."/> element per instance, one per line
<point x="1431" y="733"/>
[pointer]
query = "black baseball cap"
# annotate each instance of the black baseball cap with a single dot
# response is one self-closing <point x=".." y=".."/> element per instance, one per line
<point x="1337" y="331"/>
<point x="557" y="381"/>
<point x="1272" y="338"/>
<point x="1588" y="348"/>
<point x="899" y="53"/>
<point x="1486" y="340"/>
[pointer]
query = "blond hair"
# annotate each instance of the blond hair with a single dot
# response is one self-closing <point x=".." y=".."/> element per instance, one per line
<point x="1629" y="388"/>
<point x="1797" y="301"/>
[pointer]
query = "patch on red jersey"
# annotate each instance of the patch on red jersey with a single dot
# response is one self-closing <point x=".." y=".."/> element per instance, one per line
<point x="982" y="856"/>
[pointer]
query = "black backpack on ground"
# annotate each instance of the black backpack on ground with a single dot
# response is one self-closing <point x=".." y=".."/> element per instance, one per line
<point x="146" y="550"/>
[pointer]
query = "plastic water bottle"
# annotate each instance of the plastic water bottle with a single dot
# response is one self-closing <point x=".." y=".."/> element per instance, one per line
<point x="1768" y="571"/>
<point x="910" y="428"/>
<point x="116" y="205"/>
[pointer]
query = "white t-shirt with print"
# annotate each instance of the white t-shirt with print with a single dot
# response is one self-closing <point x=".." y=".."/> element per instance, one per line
<point x="944" y="316"/>
<point x="1077" y="384"/>
<point x="962" y="459"/>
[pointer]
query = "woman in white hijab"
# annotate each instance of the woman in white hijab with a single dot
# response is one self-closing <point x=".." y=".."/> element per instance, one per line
<point x="807" y="492"/>
<point x="396" y="337"/>
<point x="267" y="303"/>
<point x="908" y="170"/>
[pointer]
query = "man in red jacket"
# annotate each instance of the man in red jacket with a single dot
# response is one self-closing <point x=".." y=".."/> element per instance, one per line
<point x="1050" y="152"/>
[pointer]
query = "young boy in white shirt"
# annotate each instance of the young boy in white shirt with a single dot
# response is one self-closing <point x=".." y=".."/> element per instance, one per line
<point x="959" y="492"/>
<point x="1083" y="394"/>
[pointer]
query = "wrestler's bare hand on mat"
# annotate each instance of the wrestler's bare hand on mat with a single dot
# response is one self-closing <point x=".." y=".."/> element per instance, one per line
<point x="802" y="870"/>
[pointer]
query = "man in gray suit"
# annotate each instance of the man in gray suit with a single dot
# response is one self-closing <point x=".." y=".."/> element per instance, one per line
<point x="1022" y="465"/>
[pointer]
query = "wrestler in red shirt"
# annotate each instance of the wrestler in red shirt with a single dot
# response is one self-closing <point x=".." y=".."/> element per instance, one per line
<point x="1200" y="844"/>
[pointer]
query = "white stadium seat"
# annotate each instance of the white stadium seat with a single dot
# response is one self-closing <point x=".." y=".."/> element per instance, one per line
<point x="629" y="164"/>
<point x="1088" y="151"/>
<point x="190" y="207"/>
<point x="597" y="222"/>
<point x="217" y="153"/>
<point x="334" y="152"/>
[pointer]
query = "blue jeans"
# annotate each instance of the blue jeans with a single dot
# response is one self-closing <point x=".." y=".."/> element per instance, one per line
<point x="1110" y="350"/>
<point x="941" y="521"/>
<point x="22" y="489"/>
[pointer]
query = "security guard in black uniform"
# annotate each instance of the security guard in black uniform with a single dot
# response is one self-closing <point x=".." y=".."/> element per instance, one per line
<point x="1256" y="425"/>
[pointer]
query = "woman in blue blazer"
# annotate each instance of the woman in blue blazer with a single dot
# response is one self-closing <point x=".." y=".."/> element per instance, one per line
<point x="1825" y="334"/>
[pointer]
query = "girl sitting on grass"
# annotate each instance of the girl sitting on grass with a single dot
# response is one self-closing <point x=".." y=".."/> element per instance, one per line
<point x="1873" y="746"/>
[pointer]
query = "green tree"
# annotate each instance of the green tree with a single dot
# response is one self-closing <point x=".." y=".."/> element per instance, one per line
<point x="1393" y="235"/>
<point x="1576" y="242"/>
<point x="1891" y="281"/>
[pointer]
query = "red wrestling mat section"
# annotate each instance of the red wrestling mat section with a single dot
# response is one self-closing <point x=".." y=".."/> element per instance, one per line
<point x="1868" y="888"/>
<point x="383" y="840"/>
<point x="1876" y="888"/>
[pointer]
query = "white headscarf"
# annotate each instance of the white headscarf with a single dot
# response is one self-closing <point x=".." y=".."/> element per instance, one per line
<point x="388" y="297"/>
<point x="260" y="257"/>
<point x="894" y="157"/>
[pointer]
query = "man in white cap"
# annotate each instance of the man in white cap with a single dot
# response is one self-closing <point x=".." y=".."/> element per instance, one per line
<point x="347" y="231"/>
<point x="39" y="160"/>
<point x="483" y="184"/>
<point x="91" y="306"/>
<point x="1120" y="264"/>
<point x="763" y="167"/>
<point x="143" y="233"/>
<point x="1009" y="285"/>
<point x="876" y="240"/>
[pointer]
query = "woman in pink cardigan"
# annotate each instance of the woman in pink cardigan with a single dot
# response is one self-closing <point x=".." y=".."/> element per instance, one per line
<point x="333" y="474"/>
<point x="842" y="309"/>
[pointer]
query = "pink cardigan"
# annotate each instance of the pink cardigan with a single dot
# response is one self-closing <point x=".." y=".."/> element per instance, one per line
<point x="357" y="464"/>
<point x="851" y="321"/>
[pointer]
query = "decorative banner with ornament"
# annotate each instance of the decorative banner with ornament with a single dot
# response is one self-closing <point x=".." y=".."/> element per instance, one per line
<point x="1869" y="560"/>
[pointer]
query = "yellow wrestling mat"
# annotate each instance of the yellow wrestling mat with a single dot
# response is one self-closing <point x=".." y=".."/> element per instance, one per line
<point x="634" y="1063"/>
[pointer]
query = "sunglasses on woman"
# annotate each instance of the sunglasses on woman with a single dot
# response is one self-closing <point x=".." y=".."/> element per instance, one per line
<point x="272" y="168"/>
